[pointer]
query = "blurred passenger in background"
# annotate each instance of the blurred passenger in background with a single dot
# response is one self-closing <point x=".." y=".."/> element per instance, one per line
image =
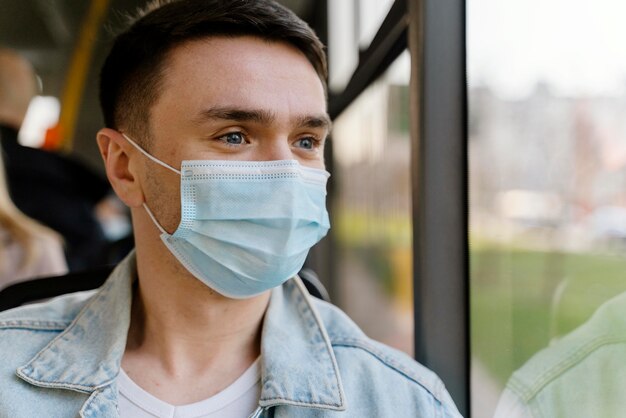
<point x="27" y="249"/>
<point x="54" y="189"/>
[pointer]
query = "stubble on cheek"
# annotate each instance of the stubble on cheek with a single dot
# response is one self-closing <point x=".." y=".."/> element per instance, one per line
<point x="163" y="196"/>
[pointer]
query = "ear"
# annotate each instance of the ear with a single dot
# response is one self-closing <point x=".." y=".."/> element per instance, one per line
<point x="122" y="166"/>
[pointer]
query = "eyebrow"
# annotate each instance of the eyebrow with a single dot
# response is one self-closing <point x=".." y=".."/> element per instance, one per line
<point x="316" y="121"/>
<point x="261" y="116"/>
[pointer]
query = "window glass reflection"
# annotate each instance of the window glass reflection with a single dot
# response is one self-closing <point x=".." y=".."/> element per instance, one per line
<point x="372" y="213"/>
<point x="547" y="148"/>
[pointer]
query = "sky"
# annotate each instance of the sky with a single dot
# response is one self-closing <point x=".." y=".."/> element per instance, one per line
<point x="577" y="47"/>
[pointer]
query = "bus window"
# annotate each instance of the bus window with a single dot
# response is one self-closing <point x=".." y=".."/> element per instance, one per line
<point x="372" y="209"/>
<point x="547" y="144"/>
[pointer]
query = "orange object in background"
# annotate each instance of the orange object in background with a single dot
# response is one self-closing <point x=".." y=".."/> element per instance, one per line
<point x="53" y="139"/>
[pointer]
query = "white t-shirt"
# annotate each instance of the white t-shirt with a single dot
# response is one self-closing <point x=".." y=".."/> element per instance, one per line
<point x="239" y="400"/>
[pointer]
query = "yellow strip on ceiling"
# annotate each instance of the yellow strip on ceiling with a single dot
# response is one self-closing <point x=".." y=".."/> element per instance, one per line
<point x="78" y="70"/>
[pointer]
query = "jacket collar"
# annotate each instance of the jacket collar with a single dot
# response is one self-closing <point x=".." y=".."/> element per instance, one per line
<point x="86" y="356"/>
<point x="298" y="363"/>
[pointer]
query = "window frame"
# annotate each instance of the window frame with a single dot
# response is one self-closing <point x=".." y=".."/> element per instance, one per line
<point x="434" y="32"/>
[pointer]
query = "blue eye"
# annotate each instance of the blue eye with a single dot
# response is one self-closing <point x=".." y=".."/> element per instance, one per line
<point x="306" y="143"/>
<point x="234" y="138"/>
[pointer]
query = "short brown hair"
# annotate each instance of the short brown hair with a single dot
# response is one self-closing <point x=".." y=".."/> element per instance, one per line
<point x="132" y="75"/>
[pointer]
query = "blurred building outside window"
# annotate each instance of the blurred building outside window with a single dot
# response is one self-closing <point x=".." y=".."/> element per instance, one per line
<point x="372" y="211"/>
<point x="547" y="143"/>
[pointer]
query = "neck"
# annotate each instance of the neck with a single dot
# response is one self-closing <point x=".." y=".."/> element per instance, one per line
<point x="185" y="329"/>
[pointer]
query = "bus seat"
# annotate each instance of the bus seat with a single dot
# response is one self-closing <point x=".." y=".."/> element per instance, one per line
<point x="20" y="293"/>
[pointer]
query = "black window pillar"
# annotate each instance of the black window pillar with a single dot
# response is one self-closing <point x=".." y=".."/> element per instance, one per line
<point x="439" y="179"/>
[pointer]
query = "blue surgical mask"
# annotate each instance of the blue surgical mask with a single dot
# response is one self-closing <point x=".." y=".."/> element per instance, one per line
<point x="246" y="226"/>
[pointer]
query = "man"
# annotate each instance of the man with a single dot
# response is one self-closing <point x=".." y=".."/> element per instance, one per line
<point x="54" y="189"/>
<point x="216" y="121"/>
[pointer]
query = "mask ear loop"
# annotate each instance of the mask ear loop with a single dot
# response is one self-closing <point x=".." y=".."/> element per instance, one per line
<point x="169" y="167"/>
<point x="144" y="152"/>
<point x="163" y="231"/>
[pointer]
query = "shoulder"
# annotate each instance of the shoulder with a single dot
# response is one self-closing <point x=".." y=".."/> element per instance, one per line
<point x="382" y="369"/>
<point x="50" y="257"/>
<point x="27" y="329"/>
<point x="59" y="310"/>
<point x="24" y="332"/>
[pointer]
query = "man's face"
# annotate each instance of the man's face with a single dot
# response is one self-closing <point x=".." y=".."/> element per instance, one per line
<point x="239" y="98"/>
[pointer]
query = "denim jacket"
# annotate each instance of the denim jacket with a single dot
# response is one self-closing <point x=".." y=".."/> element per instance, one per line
<point x="61" y="359"/>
